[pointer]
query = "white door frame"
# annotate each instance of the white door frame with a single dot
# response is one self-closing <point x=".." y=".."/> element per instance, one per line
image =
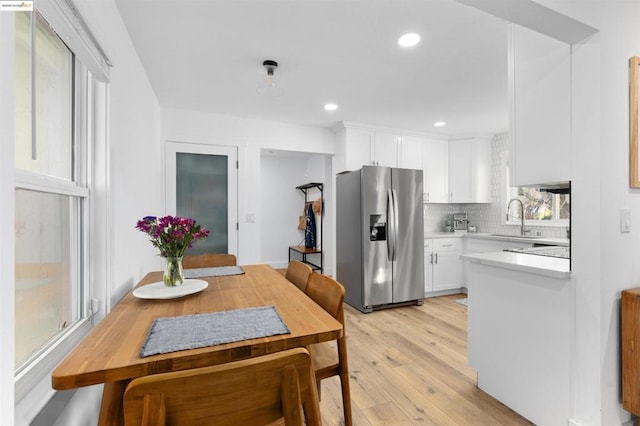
<point x="231" y="152"/>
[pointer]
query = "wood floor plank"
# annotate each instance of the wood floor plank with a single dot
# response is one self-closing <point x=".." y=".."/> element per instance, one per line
<point x="442" y="396"/>
<point x="408" y="366"/>
<point x="387" y="414"/>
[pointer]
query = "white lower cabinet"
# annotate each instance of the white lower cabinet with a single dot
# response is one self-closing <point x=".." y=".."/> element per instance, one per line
<point x="442" y="264"/>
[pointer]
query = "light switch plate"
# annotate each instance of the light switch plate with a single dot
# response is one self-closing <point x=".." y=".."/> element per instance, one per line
<point x="625" y="220"/>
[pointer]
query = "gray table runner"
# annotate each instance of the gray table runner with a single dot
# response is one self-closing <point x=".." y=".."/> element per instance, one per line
<point x="217" y="271"/>
<point x="200" y="330"/>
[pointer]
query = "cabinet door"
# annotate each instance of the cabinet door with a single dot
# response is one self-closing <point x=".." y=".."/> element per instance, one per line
<point x="385" y="149"/>
<point x="470" y="171"/>
<point x="460" y="171"/>
<point x="428" y="271"/>
<point x="410" y="150"/>
<point x="435" y="163"/>
<point x="446" y="270"/>
<point x="428" y="266"/>
<point x="358" y="148"/>
<point x="481" y="179"/>
<point x="540" y="107"/>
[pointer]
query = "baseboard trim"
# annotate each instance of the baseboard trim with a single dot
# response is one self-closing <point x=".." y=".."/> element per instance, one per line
<point x="461" y="290"/>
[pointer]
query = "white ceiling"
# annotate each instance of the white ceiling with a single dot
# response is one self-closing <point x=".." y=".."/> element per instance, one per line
<point x="207" y="55"/>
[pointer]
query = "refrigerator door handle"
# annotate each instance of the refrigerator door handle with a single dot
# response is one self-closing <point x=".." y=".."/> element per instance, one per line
<point x="395" y="224"/>
<point x="391" y="238"/>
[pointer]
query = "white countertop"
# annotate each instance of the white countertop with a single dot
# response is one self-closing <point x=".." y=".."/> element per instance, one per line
<point x="443" y="235"/>
<point x="542" y="265"/>
<point x="488" y="236"/>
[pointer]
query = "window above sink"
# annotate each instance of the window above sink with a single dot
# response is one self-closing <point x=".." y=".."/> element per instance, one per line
<point x="541" y="207"/>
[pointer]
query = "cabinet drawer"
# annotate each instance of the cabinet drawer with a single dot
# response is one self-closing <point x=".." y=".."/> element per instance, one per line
<point x="446" y="244"/>
<point x="428" y="246"/>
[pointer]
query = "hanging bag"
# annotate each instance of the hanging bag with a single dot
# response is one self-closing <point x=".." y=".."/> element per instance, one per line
<point x="302" y="220"/>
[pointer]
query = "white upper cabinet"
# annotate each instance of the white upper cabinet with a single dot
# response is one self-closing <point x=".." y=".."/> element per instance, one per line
<point x="410" y="152"/>
<point x="353" y="148"/>
<point x="540" y="108"/>
<point x="460" y="176"/>
<point x="453" y="171"/>
<point x="359" y="147"/>
<point x="482" y="172"/>
<point x="470" y="171"/>
<point x="435" y="171"/>
<point x="431" y="156"/>
<point x="385" y="149"/>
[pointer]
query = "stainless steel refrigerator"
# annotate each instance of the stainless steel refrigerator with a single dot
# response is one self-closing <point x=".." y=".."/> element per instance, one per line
<point x="380" y="237"/>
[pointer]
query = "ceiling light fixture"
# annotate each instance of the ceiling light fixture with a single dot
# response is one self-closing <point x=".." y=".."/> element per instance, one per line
<point x="331" y="107"/>
<point x="409" y="40"/>
<point x="270" y="88"/>
<point x="439" y="124"/>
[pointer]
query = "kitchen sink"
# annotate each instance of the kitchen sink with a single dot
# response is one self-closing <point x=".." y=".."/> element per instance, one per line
<point x="549" y="251"/>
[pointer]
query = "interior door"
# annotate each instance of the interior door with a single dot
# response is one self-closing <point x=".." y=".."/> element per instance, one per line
<point x="202" y="183"/>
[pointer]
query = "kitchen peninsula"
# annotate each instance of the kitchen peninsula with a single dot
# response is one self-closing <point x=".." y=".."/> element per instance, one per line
<point x="520" y="323"/>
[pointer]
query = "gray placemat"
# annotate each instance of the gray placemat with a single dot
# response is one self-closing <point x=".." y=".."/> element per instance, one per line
<point x="217" y="271"/>
<point x="200" y="330"/>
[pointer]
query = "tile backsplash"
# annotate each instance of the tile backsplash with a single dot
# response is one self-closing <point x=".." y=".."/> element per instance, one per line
<point x="486" y="217"/>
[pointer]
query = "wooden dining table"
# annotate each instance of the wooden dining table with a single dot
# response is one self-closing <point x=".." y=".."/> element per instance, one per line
<point x="110" y="353"/>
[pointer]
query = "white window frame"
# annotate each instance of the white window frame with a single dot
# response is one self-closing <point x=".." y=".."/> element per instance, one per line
<point x="507" y="193"/>
<point x="46" y="359"/>
<point x="32" y="385"/>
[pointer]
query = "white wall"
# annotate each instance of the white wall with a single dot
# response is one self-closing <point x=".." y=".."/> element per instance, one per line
<point x="605" y="260"/>
<point x="619" y="39"/>
<point x="135" y="150"/>
<point x="250" y="136"/>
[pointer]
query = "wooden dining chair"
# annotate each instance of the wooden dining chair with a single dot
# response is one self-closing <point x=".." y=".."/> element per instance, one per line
<point x="209" y="260"/>
<point x="326" y="361"/>
<point x="254" y="391"/>
<point x="298" y="273"/>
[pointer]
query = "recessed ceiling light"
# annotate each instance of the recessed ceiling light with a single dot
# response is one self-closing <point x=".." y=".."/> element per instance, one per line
<point x="409" y="40"/>
<point x="439" y="123"/>
<point x="331" y="107"/>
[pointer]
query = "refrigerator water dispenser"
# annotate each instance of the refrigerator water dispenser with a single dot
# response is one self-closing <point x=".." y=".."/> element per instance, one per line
<point x="377" y="227"/>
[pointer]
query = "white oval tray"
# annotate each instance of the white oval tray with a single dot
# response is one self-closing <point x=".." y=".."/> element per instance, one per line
<point x="160" y="291"/>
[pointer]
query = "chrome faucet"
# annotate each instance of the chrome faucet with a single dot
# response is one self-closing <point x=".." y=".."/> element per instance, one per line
<point x="522" y="230"/>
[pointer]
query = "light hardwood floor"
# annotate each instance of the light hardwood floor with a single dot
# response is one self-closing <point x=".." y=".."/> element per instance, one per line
<point x="408" y="366"/>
